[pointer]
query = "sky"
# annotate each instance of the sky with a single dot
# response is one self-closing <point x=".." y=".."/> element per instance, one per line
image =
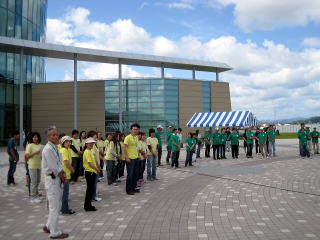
<point x="272" y="46"/>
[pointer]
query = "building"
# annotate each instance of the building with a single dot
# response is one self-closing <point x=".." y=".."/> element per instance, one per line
<point x="149" y="102"/>
<point x="19" y="19"/>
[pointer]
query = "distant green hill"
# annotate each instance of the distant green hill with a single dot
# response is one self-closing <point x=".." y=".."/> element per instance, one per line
<point x="308" y="120"/>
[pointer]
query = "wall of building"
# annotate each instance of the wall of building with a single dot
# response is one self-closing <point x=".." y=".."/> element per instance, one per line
<point x="220" y="97"/>
<point x="52" y="104"/>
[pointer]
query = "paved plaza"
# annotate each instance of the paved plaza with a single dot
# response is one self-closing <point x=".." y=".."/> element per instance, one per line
<point x="275" y="198"/>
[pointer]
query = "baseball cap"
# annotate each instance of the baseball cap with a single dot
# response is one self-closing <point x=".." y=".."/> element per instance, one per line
<point x="159" y="126"/>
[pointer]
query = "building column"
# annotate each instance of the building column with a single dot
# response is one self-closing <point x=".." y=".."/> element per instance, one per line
<point x="162" y="71"/>
<point x="75" y="92"/>
<point x="194" y="73"/>
<point x="120" y="96"/>
<point x="217" y="76"/>
<point x="21" y="102"/>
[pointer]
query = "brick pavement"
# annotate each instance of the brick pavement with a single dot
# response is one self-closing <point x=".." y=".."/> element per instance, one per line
<point x="277" y="198"/>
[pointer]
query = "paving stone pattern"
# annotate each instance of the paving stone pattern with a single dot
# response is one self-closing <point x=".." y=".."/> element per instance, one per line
<point x="275" y="198"/>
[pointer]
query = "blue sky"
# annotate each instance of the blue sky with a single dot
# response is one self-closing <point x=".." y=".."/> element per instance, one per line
<point x="273" y="47"/>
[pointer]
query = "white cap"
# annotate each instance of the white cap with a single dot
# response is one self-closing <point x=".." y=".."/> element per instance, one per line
<point x="261" y="128"/>
<point x="90" y="140"/>
<point x="65" y="138"/>
<point x="159" y="126"/>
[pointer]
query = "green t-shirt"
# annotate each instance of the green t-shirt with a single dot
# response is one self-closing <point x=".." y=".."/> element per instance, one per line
<point x="176" y="139"/>
<point x="216" y="138"/>
<point x="303" y="138"/>
<point x="158" y="135"/>
<point x="169" y="140"/>
<point x="234" y="138"/>
<point x="223" y="138"/>
<point x="207" y="139"/>
<point x="272" y="135"/>
<point x="315" y="136"/>
<point x="189" y="142"/>
<point x="250" y="135"/>
<point x="262" y="136"/>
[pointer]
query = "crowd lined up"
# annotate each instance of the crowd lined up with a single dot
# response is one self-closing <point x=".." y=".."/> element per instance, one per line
<point x="65" y="160"/>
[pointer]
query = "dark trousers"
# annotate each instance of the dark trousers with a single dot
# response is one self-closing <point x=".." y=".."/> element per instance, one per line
<point x="111" y="171"/>
<point x="76" y="167"/>
<point x="169" y="148"/>
<point x="175" y="158"/>
<point x="28" y="178"/>
<point x="207" y="152"/>
<point x="235" y="151"/>
<point x="121" y="165"/>
<point x="65" y="198"/>
<point x="90" y="179"/>
<point x="215" y="151"/>
<point x="305" y="151"/>
<point x="198" y="150"/>
<point x="257" y="146"/>
<point x="159" y="154"/>
<point x="81" y="168"/>
<point x="222" y="150"/>
<point x="189" y="158"/>
<point x="142" y="168"/>
<point x="132" y="175"/>
<point x="11" y="171"/>
<point x="101" y="166"/>
<point x="249" y="149"/>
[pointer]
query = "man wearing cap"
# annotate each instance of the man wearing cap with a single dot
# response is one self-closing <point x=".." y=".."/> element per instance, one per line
<point x="54" y="179"/>
<point x="158" y="135"/>
<point x="315" y="140"/>
<point x="169" y="143"/>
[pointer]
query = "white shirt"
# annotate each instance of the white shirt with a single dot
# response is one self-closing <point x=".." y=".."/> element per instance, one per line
<point x="51" y="160"/>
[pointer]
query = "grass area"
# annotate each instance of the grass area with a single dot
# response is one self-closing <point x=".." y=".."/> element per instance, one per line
<point x="287" y="136"/>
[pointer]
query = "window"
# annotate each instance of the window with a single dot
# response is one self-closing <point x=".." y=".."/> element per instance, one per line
<point x="10" y="29"/>
<point x="3" y="20"/>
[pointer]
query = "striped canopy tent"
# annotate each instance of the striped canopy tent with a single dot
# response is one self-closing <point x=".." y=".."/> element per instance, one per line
<point x="223" y="119"/>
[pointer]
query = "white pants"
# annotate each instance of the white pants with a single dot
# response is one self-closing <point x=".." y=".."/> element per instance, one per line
<point x="54" y="194"/>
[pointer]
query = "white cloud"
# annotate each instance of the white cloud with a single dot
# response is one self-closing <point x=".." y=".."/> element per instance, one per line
<point x="266" y="78"/>
<point x="311" y="42"/>
<point x="180" y="5"/>
<point x="266" y="15"/>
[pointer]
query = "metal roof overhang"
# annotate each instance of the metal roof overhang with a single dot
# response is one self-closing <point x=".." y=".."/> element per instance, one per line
<point x="49" y="50"/>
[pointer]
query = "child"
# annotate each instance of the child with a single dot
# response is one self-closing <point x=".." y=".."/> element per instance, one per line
<point x="152" y="152"/>
<point x="190" y="145"/>
<point x="68" y="169"/>
<point x="142" y="149"/>
<point x="175" y="149"/>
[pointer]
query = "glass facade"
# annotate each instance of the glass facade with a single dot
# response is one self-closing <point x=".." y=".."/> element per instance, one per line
<point x="206" y="96"/>
<point x="149" y="102"/>
<point x="23" y="19"/>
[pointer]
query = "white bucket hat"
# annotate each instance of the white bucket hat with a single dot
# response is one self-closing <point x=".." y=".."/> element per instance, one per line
<point x="65" y="138"/>
<point x="90" y="140"/>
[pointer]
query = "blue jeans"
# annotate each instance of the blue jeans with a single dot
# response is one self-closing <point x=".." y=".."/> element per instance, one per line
<point x="65" y="198"/>
<point x="305" y="151"/>
<point x="132" y="175"/>
<point x="11" y="171"/>
<point x="272" y="148"/>
<point x="151" y="166"/>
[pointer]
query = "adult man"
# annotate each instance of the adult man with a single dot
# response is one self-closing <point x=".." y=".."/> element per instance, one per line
<point x="272" y="141"/>
<point x="199" y="143"/>
<point x="169" y="145"/>
<point x="54" y="179"/>
<point x="256" y="141"/>
<point x="250" y="137"/>
<point x="13" y="156"/>
<point x="215" y="144"/>
<point x="315" y="140"/>
<point x="228" y="143"/>
<point x="175" y="149"/>
<point x="309" y="144"/>
<point x="223" y="141"/>
<point x="132" y="158"/>
<point x="302" y="125"/>
<point x="303" y="139"/>
<point x="158" y="135"/>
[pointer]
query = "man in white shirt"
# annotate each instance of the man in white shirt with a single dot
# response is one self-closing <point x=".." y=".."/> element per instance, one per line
<point x="54" y="179"/>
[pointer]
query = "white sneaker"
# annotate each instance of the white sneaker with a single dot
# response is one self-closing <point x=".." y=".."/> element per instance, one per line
<point x="35" y="200"/>
<point x="98" y="199"/>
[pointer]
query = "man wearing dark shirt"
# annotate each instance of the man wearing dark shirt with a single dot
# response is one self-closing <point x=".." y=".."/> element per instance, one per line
<point x="13" y="156"/>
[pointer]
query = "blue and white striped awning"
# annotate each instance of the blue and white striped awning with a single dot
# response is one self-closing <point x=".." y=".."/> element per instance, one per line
<point x="223" y="119"/>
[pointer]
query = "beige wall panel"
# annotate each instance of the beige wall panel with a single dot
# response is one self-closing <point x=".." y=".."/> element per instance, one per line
<point x="52" y="103"/>
<point x="220" y="97"/>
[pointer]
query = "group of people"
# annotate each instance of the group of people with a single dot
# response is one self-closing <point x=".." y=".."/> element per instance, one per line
<point x="308" y="140"/>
